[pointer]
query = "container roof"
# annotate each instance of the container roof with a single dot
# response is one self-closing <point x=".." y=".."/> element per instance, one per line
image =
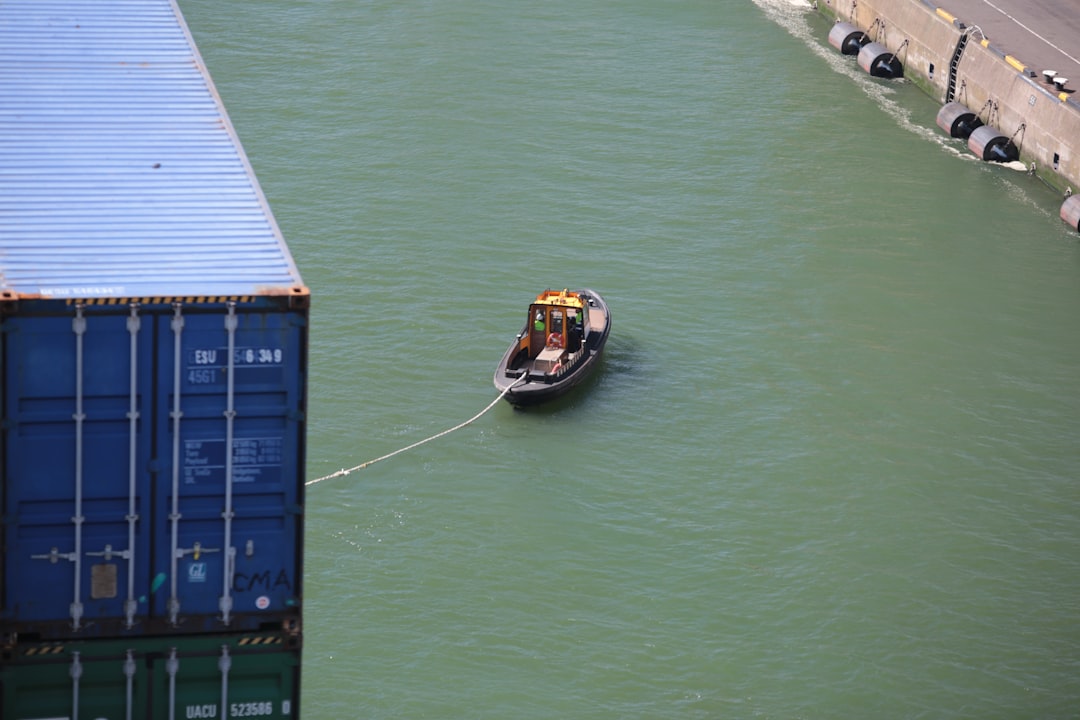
<point x="120" y="173"/>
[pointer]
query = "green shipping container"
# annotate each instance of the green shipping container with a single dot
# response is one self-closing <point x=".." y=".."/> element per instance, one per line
<point x="251" y="675"/>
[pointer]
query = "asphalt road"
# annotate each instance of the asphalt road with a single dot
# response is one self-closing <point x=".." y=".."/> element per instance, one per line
<point x="1041" y="34"/>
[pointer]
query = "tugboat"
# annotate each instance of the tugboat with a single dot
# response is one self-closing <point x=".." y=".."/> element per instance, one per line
<point x="559" y="346"/>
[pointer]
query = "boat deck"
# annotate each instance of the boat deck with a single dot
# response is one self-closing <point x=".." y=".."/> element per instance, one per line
<point x="597" y="319"/>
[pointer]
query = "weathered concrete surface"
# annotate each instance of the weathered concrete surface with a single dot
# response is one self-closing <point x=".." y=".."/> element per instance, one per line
<point x="1042" y="34"/>
<point x="998" y="73"/>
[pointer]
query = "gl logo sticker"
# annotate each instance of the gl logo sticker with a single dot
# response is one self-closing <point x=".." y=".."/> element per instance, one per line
<point x="196" y="572"/>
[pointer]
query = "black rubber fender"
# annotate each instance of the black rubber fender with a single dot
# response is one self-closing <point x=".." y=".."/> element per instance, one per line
<point x="990" y="145"/>
<point x="957" y="120"/>
<point x="847" y="38"/>
<point x="879" y="61"/>
<point x="1070" y="212"/>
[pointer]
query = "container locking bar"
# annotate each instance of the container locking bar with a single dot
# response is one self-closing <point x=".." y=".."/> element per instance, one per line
<point x="131" y="605"/>
<point x="197" y="549"/>
<point x="105" y="586"/>
<point x="129" y="675"/>
<point x="227" y="514"/>
<point x="175" y="414"/>
<point x="79" y="327"/>
<point x="54" y="555"/>
<point x="172" y="666"/>
<point x="76" y="673"/>
<point x="224" y="664"/>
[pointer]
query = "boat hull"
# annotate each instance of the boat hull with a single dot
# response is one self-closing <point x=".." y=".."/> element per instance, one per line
<point x="524" y="386"/>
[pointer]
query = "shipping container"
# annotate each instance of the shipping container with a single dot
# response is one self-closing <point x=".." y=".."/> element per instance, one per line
<point x="195" y="676"/>
<point x="153" y="340"/>
<point x="124" y="511"/>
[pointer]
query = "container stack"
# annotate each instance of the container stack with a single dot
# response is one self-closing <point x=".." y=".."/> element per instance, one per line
<point x="154" y="333"/>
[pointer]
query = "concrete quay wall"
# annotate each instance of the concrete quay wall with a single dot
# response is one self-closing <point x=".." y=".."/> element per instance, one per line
<point x="1044" y="123"/>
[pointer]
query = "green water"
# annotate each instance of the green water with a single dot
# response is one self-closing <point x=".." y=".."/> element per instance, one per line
<point x="829" y="467"/>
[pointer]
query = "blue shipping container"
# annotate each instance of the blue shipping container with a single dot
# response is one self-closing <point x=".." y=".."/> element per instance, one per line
<point x="124" y="509"/>
<point x="153" y="340"/>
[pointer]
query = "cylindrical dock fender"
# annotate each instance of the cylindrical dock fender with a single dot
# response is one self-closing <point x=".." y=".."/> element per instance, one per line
<point x="847" y="38"/>
<point x="957" y="120"/>
<point x="1070" y="211"/>
<point x="991" y="145"/>
<point x="877" y="60"/>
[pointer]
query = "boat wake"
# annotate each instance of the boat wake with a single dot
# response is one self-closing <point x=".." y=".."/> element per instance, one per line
<point x="794" y="16"/>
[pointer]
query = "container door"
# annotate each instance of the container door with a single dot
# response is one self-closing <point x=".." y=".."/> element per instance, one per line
<point x="232" y="682"/>
<point x="75" y="685"/>
<point x="231" y="421"/>
<point x="187" y="676"/>
<point x="76" y="476"/>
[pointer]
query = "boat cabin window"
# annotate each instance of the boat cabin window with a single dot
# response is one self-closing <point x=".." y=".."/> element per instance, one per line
<point x="554" y="326"/>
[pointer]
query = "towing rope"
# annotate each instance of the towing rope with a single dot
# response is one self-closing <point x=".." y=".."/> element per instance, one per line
<point x="477" y="416"/>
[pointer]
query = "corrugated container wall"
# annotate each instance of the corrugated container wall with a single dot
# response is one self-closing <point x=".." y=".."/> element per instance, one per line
<point x="153" y="334"/>
<point x="193" y="676"/>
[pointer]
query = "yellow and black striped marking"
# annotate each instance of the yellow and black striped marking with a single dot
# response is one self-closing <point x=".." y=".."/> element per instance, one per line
<point x="187" y="300"/>
<point x="260" y="640"/>
<point x="39" y="650"/>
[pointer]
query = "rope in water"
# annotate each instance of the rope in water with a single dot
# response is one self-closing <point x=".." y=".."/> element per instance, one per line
<point x="477" y="416"/>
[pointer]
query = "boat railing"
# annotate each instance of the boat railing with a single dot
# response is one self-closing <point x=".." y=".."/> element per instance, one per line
<point x="571" y="361"/>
